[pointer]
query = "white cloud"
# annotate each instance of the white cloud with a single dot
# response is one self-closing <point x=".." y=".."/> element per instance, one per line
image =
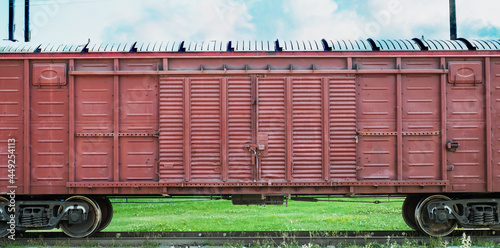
<point x="153" y="20"/>
<point x="185" y="20"/>
<point x="369" y="19"/>
<point x="391" y="19"/>
<point x="126" y="21"/>
<point x="416" y="18"/>
<point x="316" y="19"/>
<point x="474" y="19"/>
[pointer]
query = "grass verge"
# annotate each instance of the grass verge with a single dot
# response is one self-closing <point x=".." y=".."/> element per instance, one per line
<point x="221" y="215"/>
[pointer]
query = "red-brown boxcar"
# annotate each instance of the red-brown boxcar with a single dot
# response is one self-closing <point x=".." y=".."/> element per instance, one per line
<point x="252" y="122"/>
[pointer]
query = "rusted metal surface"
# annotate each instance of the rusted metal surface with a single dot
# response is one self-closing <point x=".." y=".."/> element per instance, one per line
<point x="49" y="106"/>
<point x="274" y="124"/>
<point x="11" y="118"/>
<point x="466" y="126"/>
<point x="494" y="103"/>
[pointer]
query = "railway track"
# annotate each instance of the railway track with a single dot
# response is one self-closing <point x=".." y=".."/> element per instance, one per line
<point x="322" y="238"/>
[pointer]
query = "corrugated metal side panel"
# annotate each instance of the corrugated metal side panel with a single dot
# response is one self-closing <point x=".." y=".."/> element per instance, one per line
<point x="172" y="129"/>
<point x="342" y="114"/>
<point x="94" y="65"/>
<point x="138" y="104"/>
<point x="421" y="113"/>
<point x="239" y="127"/>
<point x="376" y="113"/>
<point x="466" y="126"/>
<point x="307" y="128"/>
<point x="49" y="138"/>
<point x="93" y="114"/>
<point x="94" y="162"/>
<point x="206" y="157"/>
<point x="138" y="115"/>
<point x="138" y="156"/>
<point x="495" y="119"/>
<point x="11" y="120"/>
<point x="139" y="65"/>
<point x="271" y="120"/>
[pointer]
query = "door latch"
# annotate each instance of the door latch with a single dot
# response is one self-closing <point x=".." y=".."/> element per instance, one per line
<point x="256" y="153"/>
<point x="452" y="146"/>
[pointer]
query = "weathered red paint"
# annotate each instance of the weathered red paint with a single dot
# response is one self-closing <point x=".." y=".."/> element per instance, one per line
<point x="323" y="123"/>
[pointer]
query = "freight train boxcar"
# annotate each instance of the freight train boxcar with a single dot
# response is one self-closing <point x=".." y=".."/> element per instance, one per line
<point x="253" y="122"/>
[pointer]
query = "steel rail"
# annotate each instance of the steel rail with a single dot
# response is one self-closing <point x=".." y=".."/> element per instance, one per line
<point x="322" y="238"/>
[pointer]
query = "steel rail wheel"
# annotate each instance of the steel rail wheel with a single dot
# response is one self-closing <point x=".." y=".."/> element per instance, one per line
<point x="408" y="211"/>
<point x="87" y="227"/>
<point x="106" y="211"/>
<point x="3" y="225"/>
<point x="429" y="226"/>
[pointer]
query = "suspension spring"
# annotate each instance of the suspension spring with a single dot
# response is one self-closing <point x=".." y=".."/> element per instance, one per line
<point x="489" y="217"/>
<point x="478" y="217"/>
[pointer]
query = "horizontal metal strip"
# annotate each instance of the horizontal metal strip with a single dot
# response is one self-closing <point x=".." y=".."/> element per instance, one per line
<point x="432" y="133"/>
<point x="373" y="183"/>
<point x="154" y="134"/>
<point x="229" y="72"/>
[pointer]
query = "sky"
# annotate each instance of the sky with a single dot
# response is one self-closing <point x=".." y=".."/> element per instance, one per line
<point x="125" y="21"/>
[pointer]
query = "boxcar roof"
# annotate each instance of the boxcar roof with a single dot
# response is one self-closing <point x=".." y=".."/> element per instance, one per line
<point x="415" y="44"/>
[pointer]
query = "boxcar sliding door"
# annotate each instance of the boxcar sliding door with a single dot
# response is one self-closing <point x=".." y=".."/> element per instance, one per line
<point x="257" y="129"/>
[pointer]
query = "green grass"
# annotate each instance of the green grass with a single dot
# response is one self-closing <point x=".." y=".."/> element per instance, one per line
<point x="221" y="215"/>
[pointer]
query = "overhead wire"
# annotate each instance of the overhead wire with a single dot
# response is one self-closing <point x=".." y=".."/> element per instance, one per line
<point x="20" y="3"/>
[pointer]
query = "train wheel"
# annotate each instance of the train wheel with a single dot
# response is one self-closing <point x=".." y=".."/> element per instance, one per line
<point x="87" y="227"/>
<point x="428" y="225"/>
<point x="106" y="210"/>
<point x="3" y="225"/>
<point x="408" y="210"/>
